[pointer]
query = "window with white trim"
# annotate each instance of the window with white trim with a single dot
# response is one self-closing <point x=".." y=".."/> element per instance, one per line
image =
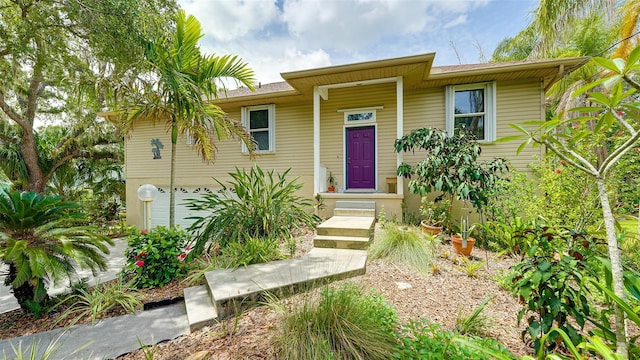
<point x="260" y="123"/>
<point x="472" y="108"/>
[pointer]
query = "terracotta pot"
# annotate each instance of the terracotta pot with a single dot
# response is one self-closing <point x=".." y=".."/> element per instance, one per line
<point x="331" y="188"/>
<point x="429" y="229"/>
<point x="457" y="245"/>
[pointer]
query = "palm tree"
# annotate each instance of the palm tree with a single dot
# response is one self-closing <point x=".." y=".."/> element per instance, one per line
<point x="186" y="81"/>
<point x="40" y="242"/>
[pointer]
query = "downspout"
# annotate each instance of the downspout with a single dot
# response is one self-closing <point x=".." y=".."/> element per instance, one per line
<point x="399" y="129"/>
<point x="316" y="140"/>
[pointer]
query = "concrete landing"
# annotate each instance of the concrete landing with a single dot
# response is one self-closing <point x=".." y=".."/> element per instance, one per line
<point x="233" y="289"/>
<point x="358" y="226"/>
<point x="200" y="309"/>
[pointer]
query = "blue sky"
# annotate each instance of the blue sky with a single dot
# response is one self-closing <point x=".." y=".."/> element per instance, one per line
<point x="288" y="35"/>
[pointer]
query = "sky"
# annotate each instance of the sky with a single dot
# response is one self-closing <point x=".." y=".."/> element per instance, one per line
<point x="289" y="35"/>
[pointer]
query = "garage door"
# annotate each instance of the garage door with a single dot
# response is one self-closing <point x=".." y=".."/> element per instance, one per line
<point x="160" y="206"/>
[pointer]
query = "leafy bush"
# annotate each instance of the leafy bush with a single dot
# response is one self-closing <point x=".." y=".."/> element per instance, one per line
<point x="254" y="204"/>
<point x="99" y="300"/>
<point x="405" y="245"/>
<point x="505" y="236"/>
<point x="549" y="284"/>
<point x="344" y="323"/>
<point x="156" y="257"/>
<point x="422" y="340"/>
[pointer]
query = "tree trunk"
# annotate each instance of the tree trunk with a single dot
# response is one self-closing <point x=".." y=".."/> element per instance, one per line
<point x="30" y="156"/>
<point x="172" y="182"/>
<point x="22" y="293"/>
<point x="622" y="347"/>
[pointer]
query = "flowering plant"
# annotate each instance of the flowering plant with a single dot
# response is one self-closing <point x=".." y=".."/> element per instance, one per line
<point x="156" y="257"/>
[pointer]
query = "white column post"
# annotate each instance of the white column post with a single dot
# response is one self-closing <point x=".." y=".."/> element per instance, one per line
<point x="399" y="128"/>
<point x="316" y="140"/>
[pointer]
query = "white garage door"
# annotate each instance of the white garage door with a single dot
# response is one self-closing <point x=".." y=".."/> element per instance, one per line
<point x="160" y="206"/>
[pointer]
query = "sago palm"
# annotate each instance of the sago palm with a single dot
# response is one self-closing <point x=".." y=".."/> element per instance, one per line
<point x="185" y="81"/>
<point x="41" y="241"/>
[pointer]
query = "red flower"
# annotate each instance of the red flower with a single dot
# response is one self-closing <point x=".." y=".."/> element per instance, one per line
<point x="188" y="248"/>
<point x="558" y="171"/>
<point x="142" y="254"/>
<point x="139" y="263"/>
<point x="135" y="257"/>
<point x="144" y="232"/>
<point x="636" y="149"/>
<point x="182" y="256"/>
<point x="563" y="162"/>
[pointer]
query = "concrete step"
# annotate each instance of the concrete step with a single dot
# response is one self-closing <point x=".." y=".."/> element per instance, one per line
<point x="354" y="212"/>
<point x="200" y="309"/>
<point x="236" y="289"/>
<point x="353" y="226"/>
<point x="355" y="204"/>
<point x="341" y="242"/>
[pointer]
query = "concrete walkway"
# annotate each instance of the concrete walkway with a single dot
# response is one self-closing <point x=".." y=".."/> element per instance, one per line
<point x="115" y="262"/>
<point x="109" y="338"/>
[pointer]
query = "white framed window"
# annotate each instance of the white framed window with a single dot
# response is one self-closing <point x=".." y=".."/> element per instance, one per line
<point x="260" y="123"/>
<point x="360" y="115"/>
<point x="472" y="108"/>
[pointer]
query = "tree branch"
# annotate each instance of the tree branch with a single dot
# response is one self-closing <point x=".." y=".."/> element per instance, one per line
<point x="618" y="153"/>
<point x="76" y="154"/>
<point x="584" y="165"/>
<point x="34" y="86"/>
<point x="622" y="122"/>
<point x="631" y="82"/>
<point x="11" y="112"/>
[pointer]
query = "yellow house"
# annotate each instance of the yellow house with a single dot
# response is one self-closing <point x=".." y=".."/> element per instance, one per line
<point x="343" y="120"/>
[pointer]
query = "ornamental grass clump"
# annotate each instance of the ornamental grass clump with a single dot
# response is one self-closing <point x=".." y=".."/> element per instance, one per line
<point x="405" y="245"/>
<point x="342" y="323"/>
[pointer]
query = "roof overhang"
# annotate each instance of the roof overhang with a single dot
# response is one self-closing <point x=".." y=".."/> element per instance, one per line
<point x="549" y="71"/>
<point x="414" y="70"/>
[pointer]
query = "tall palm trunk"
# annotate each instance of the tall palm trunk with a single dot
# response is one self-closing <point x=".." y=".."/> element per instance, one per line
<point x="616" y="267"/>
<point x="172" y="181"/>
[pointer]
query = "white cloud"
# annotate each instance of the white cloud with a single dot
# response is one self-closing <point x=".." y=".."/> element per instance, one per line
<point x="457" y="21"/>
<point x="231" y="19"/>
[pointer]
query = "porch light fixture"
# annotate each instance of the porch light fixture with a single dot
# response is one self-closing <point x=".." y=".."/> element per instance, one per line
<point x="147" y="193"/>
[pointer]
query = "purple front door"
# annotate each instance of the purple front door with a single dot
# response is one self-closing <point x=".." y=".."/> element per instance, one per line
<point x="361" y="151"/>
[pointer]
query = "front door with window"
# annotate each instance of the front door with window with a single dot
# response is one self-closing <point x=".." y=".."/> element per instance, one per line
<point x="361" y="151"/>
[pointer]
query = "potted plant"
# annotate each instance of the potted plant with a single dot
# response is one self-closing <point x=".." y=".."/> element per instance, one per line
<point x="435" y="215"/>
<point x="462" y="242"/>
<point x="332" y="182"/>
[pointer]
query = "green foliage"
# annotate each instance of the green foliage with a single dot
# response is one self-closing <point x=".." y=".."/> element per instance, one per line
<point x="515" y="195"/>
<point x="422" y="340"/>
<point x="156" y="257"/>
<point x="471" y="267"/>
<point x="34" y="351"/>
<point x="40" y="241"/>
<point x="549" y="282"/>
<point x="507" y="236"/>
<point x="474" y="323"/>
<point x="99" y="300"/>
<point x="406" y="245"/>
<point x="344" y="323"/>
<point x="250" y="251"/>
<point x="450" y="165"/>
<point x="624" y="179"/>
<point x="568" y="197"/>
<point x="255" y="204"/>
<point x="437" y="212"/>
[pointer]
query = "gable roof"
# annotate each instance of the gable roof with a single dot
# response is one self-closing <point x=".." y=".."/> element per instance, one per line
<point x="417" y="72"/>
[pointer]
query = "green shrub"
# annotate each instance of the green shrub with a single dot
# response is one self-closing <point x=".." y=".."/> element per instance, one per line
<point x="254" y="204"/>
<point x="549" y="282"/>
<point x="422" y="340"/>
<point x="344" y="323"/>
<point x="156" y="257"/>
<point x="250" y="251"/>
<point x="99" y="300"/>
<point x="406" y="245"/>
